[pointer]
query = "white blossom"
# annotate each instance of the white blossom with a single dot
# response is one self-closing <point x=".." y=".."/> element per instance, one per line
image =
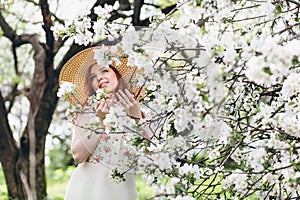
<point x="102" y="56"/>
<point x="238" y="179"/>
<point x="65" y="88"/>
<point x="162" y="160"/>
<point x="256" y="158"/>
<point x="255" y="71"/>
<point x="103" y="12"/>
<point x="291" y="86"/>
<point x="222" y="81"/>
<point x="83" y="38"/>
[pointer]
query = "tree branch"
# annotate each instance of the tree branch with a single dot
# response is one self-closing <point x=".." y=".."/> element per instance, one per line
<point x="7" y="30"/>
<point x="11" y="97"/>
<point x="124" y="5"/>
<point x="294" y="2"/>
<point x="137" y="5"/>
<point x="47" y="25"/>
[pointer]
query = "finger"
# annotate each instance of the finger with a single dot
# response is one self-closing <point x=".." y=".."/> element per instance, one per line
<point x="99" y="104"/>
<point x="118" y="103"/>
<point x="113" y="97"/>
<point x="96" y="105"/>
<point x="121" y="100"/>
<point x="111" y="101"/>
<point x="129" y="95"/>
<point x="100" y="109"/>
<point x="110" y="95"/>
<point x="102" y="102"/>
<point x="105" y="108"/>
<point x="124" y="96"/>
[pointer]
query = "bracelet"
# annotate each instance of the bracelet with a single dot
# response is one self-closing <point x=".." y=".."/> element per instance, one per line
<point x="101" y="117"/>
<point x="137" y="118"/>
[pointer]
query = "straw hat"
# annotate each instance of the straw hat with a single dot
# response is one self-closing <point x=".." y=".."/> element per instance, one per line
<point x="75" y="71"/>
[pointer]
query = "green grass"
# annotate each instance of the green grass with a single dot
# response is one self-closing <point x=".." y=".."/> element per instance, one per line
<point x="57" y="181"/>
<point x="3" y="190"/>
<point x="143" y="190"/>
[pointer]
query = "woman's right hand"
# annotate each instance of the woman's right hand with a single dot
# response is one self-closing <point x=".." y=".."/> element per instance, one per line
<point x="102" y="107"/>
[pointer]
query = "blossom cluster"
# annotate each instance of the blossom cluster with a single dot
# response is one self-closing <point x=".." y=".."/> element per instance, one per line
<point x="222" y="86"/>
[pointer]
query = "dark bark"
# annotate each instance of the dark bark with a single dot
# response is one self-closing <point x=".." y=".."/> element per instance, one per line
<point x="124" y="5"/>
<point x="137" y="5"/>
<point x="43" y="119"/>
<point x="9" y="154"/>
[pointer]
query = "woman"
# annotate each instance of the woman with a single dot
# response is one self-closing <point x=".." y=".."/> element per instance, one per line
<point x="99" y="154"/>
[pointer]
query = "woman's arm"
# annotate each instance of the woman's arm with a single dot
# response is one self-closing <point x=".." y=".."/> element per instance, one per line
<point x="83" y="142"/>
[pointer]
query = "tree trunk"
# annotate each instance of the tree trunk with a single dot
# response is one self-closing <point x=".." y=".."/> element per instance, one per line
<point x="9" y="156"/>
<point x="16" y="166"/>
<point x="24" y="168"/>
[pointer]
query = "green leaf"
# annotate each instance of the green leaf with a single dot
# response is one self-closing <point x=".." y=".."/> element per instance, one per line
<point x="278" y="8"/>
<point x="295" y="60"/>
<point x="201" y="85"/>
<point x="205" y="98"/>
<point x="292" y="103"/>
<point x="89" y="135"/>
<point x="267" y="70"/>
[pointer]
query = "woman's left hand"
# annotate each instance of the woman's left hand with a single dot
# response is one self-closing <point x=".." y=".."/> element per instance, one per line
<point x="130" y="104"/>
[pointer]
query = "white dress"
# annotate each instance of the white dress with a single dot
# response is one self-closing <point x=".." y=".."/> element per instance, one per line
<point x="90" y="180"/>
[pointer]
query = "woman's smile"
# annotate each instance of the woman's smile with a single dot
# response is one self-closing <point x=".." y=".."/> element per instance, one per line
<point x="103" y="84"/>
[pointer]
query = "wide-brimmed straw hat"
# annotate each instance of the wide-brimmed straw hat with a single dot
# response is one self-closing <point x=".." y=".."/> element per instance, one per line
<point x="76" y="69"/>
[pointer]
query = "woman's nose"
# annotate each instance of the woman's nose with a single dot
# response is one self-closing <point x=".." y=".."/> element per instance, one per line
<point x="99" y="77"/>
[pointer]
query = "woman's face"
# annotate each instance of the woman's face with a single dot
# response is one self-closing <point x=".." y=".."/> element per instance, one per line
<point x="103" y="77"/>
